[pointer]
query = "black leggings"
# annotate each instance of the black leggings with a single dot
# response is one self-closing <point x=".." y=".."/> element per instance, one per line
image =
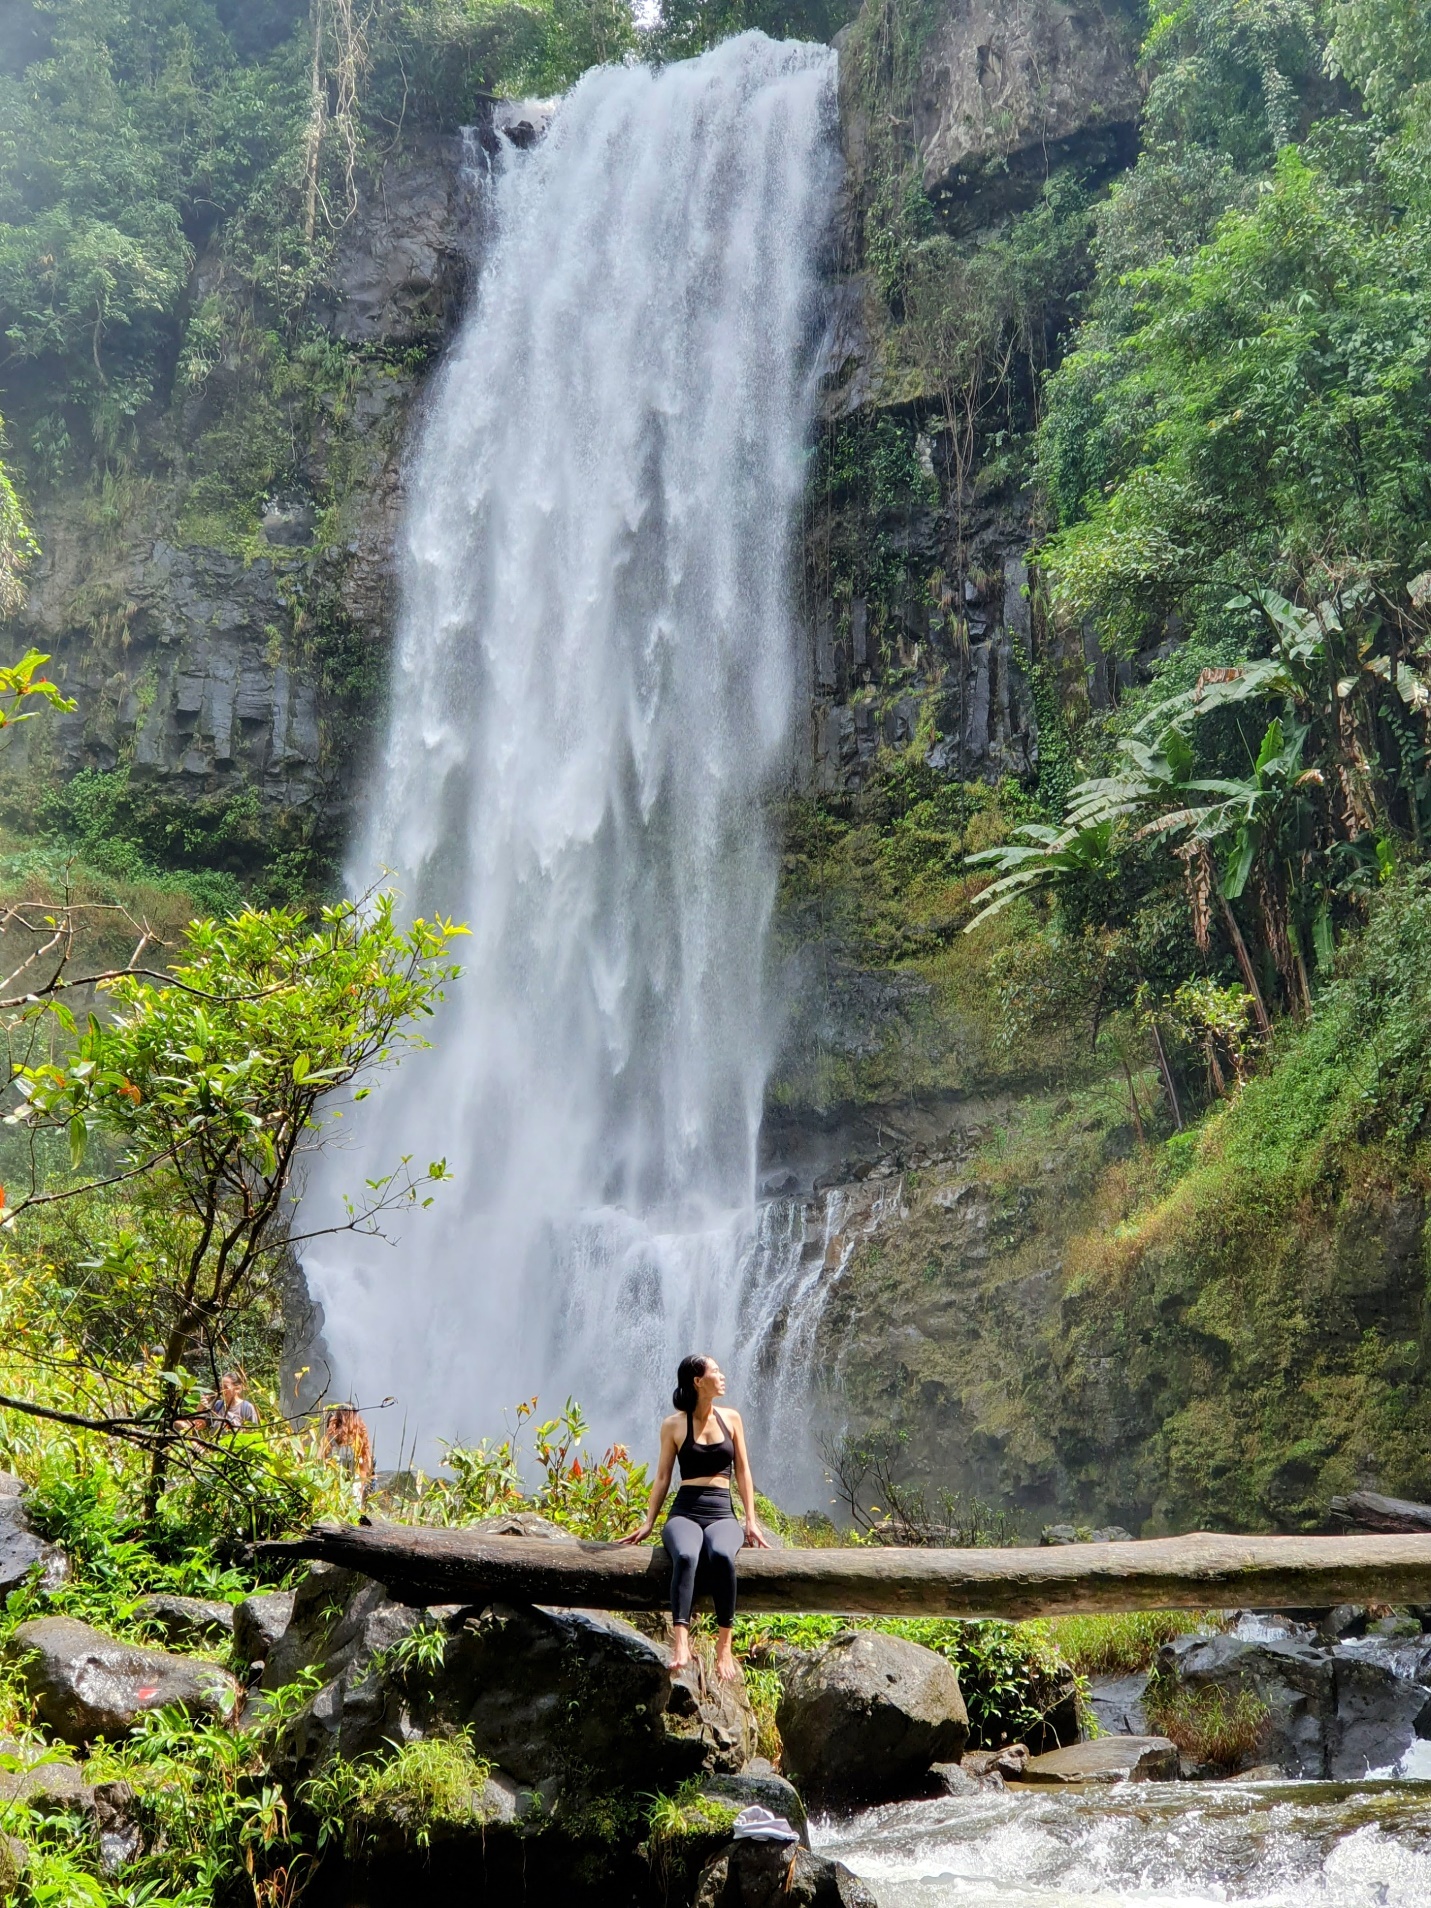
<point x="703" y="1534"/>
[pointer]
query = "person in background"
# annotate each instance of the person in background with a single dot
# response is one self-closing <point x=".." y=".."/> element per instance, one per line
<point x="347" y="1442"/>
<point x="702" y="1527"/>
<point x="229" y="1410"/>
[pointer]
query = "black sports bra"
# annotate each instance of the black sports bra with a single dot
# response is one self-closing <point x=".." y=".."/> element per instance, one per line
<point x="706" y="1460"/>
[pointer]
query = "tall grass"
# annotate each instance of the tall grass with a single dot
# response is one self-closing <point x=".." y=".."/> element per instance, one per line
<point x="1123" y="1644"/>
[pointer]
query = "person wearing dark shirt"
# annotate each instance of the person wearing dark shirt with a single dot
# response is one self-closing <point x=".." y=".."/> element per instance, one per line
<point x="702" y="1528"/>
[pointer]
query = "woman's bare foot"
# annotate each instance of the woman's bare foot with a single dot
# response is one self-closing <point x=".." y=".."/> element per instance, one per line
<point x="680" y="1649"/>
<point x="727" y="1669"/>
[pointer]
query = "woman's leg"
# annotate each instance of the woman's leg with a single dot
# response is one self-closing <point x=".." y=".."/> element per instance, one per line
<point x="723" y="1543"/>
<point x="682" y="1538"/>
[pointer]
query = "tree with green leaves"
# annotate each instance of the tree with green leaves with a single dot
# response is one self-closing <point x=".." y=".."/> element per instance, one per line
<point x="199" y="1094"/>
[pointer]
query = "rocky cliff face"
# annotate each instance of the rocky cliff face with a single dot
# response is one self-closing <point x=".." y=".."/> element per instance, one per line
<point x="917" y="591"/>
<point x="258" y="662"/>
<point x="1009" y="92"/>
<point x="210" y="670"/>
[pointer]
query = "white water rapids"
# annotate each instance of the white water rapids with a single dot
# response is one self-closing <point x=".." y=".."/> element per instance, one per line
<point x="592" y="701"/>
<point x="1155" y="1845"/>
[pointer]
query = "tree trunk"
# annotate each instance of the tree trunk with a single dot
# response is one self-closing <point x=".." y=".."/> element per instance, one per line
<point x="1202" y="1571"/>
<point x="1244" y="962"/>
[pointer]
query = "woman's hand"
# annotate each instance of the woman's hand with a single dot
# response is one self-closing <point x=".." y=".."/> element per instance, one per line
<point x="756" y="1538"/>
<point x="637" y="1536"/>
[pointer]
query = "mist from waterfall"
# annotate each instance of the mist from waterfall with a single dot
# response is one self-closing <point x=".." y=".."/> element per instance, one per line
<point x="592" y="703"/>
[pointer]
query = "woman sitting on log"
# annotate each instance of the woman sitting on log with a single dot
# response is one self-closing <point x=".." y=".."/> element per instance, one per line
<point x="702" y="1527"/>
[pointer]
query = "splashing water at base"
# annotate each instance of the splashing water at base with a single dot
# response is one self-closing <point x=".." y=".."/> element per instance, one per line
<point x="1165" y="1845"/>
<point x="593" y="701"/>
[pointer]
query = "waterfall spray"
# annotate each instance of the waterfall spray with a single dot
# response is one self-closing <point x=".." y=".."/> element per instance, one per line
<point x="592" y="701"/>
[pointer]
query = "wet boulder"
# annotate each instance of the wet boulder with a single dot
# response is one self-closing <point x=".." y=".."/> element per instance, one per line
<point x="22" y="1550"/>
<point x="259" y="1622"/>
<point x="1117" y="1703"/>
<point x="991" y="1765"/>
<point x="1328" y="1713"/>
<point x="584" y="1695"/>
<point x="864" y="1718"/>
<point x="343" y="1626"/>
<point x="1109" y="1759"/>
<point x="569" y="1695"/>
<point x="86" y="1684"/>
<point x="758" y="1786"/>
<point x="42" y="1779"/>
<point x="188" y="1623"/>
<point x="750" y="1874"/>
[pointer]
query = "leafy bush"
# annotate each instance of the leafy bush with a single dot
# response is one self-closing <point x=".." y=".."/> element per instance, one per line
<point x="600" y="1497"/>
<point x="425" y="1787"/>
<point x="1012" y="1675"/>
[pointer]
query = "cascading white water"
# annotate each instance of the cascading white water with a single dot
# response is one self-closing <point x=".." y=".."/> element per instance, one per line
<point x="1147" y="1845"/>
<point x="592" y="701"/>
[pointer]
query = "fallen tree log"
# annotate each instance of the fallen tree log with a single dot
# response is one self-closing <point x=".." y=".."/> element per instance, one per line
<point x="1369" y="1510"/>
<point x="1204" y="1571"/>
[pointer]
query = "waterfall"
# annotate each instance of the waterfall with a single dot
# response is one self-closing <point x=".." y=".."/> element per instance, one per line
<point x="592" y="703"/>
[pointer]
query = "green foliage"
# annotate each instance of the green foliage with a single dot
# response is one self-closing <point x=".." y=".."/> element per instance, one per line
<point x="17" y="545"/>
<point x="137" y="833"/>
<point x="687" y="27"/>
<point x="1265" y="420"/>
<point x="1231" y="74"/>
<point x="1236" y="452"/>
<point x="204" y="1089"/>
<point x="421" y="1790"/>
<point x="674" y="1818"/>
<point x="1118" y="1645"/>
<point x="139" y="132"/>
<point x="19" y="682"/>
<point x="1011" y="1674"/>
<point x="1384" y="48"/>
<point x="1258" y="1285"/>
<point x="598" y="1497"/>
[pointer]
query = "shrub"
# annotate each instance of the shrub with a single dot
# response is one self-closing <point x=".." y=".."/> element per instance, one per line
<point x="1210" y="1726"/>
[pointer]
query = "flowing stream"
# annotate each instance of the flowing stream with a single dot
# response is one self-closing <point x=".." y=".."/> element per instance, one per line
<point x="593" y="699"/>
<point x="1163" y="1845"/>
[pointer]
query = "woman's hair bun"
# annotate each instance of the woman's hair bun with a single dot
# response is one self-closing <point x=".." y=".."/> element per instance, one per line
<point x="687" y="1372"/>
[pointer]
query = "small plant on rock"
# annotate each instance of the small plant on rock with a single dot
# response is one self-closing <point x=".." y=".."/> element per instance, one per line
<point x="1220" y="1729"/>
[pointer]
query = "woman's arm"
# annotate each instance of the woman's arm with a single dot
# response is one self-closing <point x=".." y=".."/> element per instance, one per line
<point x="665" y="1464"/>
<point x="746" y="1482"/>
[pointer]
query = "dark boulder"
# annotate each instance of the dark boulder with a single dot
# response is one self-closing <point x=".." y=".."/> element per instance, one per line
<point x="86" y="1684"/>
<point x="993" y="1765"/>
<point x="1117" y="1703"/>
<point x="865" y="1717"/>
<point x="52" y="1784"/>
<point x="1329" y="1713"/>
<point x="773" y="1875"/>
<point x="566" y="1694"/>
<point x="322" y="1623"/>
<point x="758" y="1786"/>
<point x="188" y="1623"/>
<point x="259" y="1622"/>
<point x="44" y="1781"/>
<point x="21" y="1549"/>
<point x="582" y="1695"/>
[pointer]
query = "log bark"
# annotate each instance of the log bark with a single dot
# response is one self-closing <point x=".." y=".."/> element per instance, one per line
<point x="1369" y="1510"/>
<point x="1206" y="1570"/>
